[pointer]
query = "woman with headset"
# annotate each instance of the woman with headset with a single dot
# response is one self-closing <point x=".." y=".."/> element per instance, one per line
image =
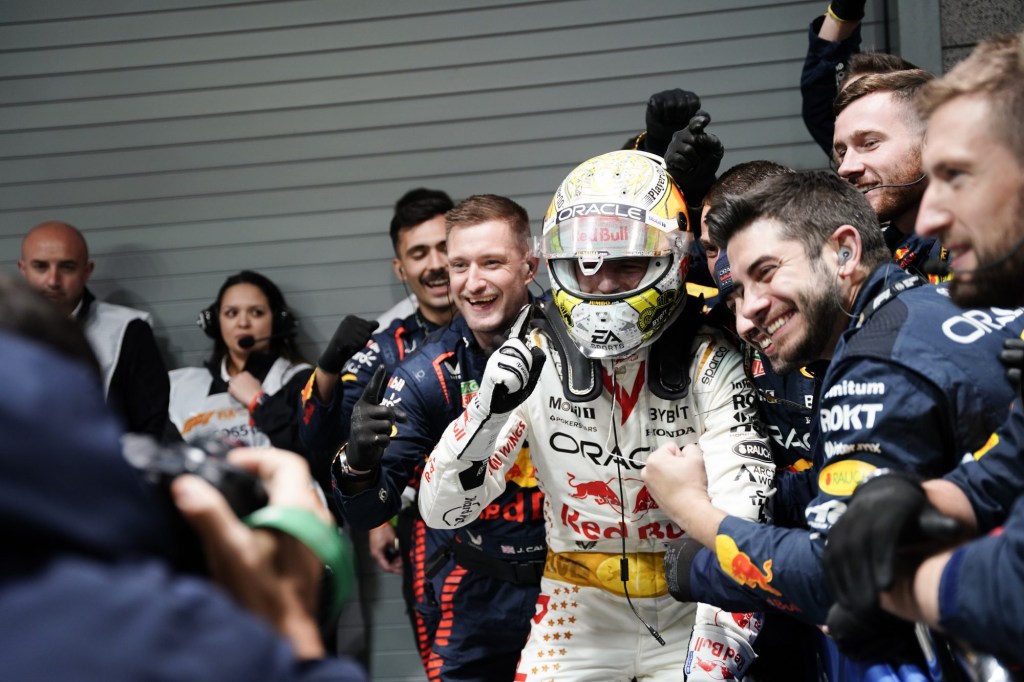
<point x="248" y="389"/>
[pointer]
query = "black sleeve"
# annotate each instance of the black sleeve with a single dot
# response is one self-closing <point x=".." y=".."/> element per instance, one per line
<point x="277" y="418"/>
<point x="140" y="389"/>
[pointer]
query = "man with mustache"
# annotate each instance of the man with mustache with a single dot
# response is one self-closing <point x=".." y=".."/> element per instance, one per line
<point x="877" y="148"/>
<point x="417" y="234"/>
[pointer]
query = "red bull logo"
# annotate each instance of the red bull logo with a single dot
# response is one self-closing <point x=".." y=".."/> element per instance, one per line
<point x="740" y="568"/>
<point x="600" y="491"/>
<point x="644" y="503"/>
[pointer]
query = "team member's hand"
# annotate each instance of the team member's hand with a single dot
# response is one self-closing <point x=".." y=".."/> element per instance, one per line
<point x="667" y="112"/>
<point x="1012" y="356"/>
<point x="889" y="526"/>
<point x="372" y="426"/>
<point x="874" y="636"/>
<point x="677" y="480"/>
<point x="848" y="10"/>
<point x="270" y="573"/>
<point x="244" y="387"/>
<point x="383" y="545"/>
<point x="510" y="376"/>
<point x="693" y="157"/>
<point x="350" y="336"/>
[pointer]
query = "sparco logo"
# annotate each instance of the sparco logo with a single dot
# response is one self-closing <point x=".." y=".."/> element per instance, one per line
<point x="709" y="371"/>
<point x="616" y="210"/>
<point x="566" y="406"/>
<point x="753" y="449"/>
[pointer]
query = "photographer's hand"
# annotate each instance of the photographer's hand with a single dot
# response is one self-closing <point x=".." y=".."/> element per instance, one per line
<point x="270" y="573"/>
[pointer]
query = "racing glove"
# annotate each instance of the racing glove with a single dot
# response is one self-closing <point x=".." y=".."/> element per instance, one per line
<point x="693" y="157"/>
<point x="372" y="425"/>
<point x="509" y="378"/>
<point x="350" y="336"/>
<point x="847" y="10"/>
<point x="716" y="654"/>
<point x="889" y="527"/>
<point x="874" y="636"/>
<point x="1012" y="356"/>
<point x="667" y="112"/>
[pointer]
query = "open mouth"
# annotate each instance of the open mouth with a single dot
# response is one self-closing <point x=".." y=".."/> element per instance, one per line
<point x="481" y="302"/>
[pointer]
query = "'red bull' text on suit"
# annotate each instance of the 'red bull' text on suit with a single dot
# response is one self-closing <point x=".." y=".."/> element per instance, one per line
<point x="591" y="425"/>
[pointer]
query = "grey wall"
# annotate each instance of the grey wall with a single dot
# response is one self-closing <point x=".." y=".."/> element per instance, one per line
<point x="965" y="23"/>
<point x="192" y="139"/>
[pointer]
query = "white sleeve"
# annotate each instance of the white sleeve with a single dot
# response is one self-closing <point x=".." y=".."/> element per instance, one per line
<point x="466" y="470"/>
<point x="737" y="456"/>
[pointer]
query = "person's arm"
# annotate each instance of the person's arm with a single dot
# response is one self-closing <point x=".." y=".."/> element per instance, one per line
<point x="139" y="388"/>
<point x="270" y="573"/>
<point x="466" y="471"/>
<point x="831" y="42"/>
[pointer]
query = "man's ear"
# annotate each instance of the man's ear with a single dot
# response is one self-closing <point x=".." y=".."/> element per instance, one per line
<point x="399" y="270"/>
<point x="88" y="270"/>
<point x="532" y="264"/>
<point x="847" y="247"/>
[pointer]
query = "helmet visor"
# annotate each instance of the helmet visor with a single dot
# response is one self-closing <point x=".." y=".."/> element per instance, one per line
<point x="608" y="237"/>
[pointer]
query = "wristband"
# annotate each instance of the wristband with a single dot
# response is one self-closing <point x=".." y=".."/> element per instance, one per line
<point x="257" y="400"/>
<point x="321" y="538"/>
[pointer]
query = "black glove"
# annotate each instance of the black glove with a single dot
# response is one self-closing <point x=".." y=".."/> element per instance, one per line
<point x="889" y="527"/>
<point x="372" y="425"/>
<point x="693" y="157"/>
<point x="875" y="636"/>
<point x="667" y="112"/>
<point x="350" y="336"/>
<point x="1013" y="357"/>
<point x="848" y="10"/>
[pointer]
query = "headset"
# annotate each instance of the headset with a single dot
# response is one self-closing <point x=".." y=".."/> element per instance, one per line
<point x="284" y="322"/>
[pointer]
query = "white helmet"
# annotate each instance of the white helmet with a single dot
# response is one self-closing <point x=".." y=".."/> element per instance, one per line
<point x="620" y="205"/>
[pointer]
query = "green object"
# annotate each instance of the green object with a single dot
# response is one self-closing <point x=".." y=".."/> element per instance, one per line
<point x="321" y="538"/>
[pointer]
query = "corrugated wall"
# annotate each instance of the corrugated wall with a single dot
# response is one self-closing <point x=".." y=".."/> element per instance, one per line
<point x="192" y="139"/>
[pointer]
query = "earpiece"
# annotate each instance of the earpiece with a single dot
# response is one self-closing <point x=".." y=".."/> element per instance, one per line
<point x="844" y="256"/>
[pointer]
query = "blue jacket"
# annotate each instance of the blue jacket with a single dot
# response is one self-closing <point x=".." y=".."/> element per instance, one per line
<point x="914" y="388"/>
<point x="323" y="427"/>
<point x="86" y="590"/>
<point x="432" y="386"/>
<point x="823" y="68"/>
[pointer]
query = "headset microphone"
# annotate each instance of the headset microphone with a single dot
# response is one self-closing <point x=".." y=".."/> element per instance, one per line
<point x="247" y="342"/>
<point x="902" y="184"/>
<point x="934" y="266"/>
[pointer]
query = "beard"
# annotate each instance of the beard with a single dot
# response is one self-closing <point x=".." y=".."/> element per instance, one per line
<point x="999" y="286"/>
<point x="895" y="202"/>
<point x="820" y="309"/>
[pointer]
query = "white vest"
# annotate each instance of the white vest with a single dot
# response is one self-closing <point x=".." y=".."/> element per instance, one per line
<point x="104" y="327"/>
<point x="197" y="414"/>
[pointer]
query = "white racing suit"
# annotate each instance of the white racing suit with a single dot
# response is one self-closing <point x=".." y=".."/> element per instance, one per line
<point x="584" y="628"/>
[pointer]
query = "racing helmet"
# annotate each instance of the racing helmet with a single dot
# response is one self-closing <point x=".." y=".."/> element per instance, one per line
<point x="620" y="211"/>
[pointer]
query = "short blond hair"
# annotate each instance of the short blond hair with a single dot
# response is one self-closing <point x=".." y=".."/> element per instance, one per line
<point x="994" y="71"/>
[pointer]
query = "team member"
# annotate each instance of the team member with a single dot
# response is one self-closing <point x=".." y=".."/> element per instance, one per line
<point x="87" y="537"/>
<point x="975" y="163"/>
<point x="908" y="386"/>
<point x="482" y="580"/>
<point x="247" y="389"/>
<point x="877" y="148"/>
<point x="417" y="234"/>
<point x="604" y="384"/>
<point x="55" y="261"/>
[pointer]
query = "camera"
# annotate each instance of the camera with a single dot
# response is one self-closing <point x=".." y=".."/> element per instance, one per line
<point x="161" y="464"/>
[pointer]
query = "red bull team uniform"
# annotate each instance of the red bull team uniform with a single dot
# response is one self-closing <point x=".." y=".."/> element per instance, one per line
<point x="914" y="384"/>
<point x="474" y="589"/>
<point x="588" y="451"/>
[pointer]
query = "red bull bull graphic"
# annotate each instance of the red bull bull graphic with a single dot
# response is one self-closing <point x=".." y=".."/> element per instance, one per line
<point x="599" y="491"/>
<point x="738" y="566"/>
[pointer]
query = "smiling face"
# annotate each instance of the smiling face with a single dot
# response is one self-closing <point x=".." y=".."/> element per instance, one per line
<point x="489" y="275"/>
<point x="245" y="311"/>
<point x="422" y="262"/>
<point x="973" y="203"/>
<point x="878" y="141"/>
<point x="786" y="305"/>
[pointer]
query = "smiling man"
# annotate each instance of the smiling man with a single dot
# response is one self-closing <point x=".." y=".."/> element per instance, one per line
<point x="913" y="383"/>
<point x="475" y="588"/>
